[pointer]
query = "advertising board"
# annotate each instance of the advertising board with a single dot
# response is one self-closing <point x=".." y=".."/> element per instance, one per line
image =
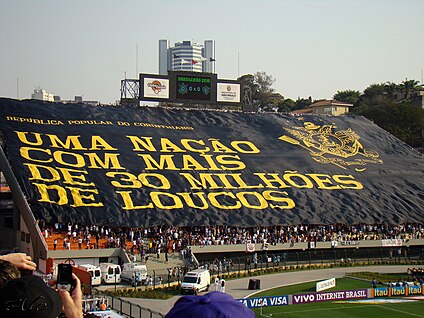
<point x="326" y="284"/>
<point x="329" y="296"/>
<point x="391" y="242"/>
<point x="228" y="93"/>
<point x="156" y="88"/>
<point x="265" y="301"/>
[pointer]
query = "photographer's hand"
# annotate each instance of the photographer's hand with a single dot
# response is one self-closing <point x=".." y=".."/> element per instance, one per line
<point x="72" y="303"/>
<point x="20" y="260"/>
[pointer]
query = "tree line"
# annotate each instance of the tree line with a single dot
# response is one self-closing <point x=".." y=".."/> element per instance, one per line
<point x="394" y="107"/>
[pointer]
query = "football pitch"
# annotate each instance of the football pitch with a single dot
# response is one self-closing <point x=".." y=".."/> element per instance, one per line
<point x="372" y="308"/>
<point x="345" y="310"/>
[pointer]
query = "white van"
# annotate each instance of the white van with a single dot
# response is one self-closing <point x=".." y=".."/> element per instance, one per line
<point x="196" y="281"/>
<point x="95" y="272"/>
<point x="130" y="270"/>
<point x="111" y="273"/>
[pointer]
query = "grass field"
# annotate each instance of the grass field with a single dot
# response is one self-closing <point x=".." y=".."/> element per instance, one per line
<point x="339" y="309"/>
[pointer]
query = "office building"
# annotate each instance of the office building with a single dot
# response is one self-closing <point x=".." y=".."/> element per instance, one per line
<point x="41" y="94"/>
<point x="186" y="56"/>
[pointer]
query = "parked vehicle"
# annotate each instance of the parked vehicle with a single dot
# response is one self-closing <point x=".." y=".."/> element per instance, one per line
<point x="111" y="273"/>
<point x="134" y="270"/>
<point x="95" y="272"/>
<point x="196" y="281"/>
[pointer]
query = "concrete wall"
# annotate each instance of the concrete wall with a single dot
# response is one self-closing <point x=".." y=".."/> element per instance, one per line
<point x="297" y="246"/>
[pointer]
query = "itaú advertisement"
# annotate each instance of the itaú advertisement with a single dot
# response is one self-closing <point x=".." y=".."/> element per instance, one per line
<point x="156" y="88"/>
<point x="227" y="92"/>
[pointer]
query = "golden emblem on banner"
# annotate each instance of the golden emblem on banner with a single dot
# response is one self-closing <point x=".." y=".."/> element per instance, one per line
<point x="326" y="144"/>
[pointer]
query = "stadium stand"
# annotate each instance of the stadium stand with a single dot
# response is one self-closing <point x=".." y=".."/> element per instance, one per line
<point x="174" y="239"/>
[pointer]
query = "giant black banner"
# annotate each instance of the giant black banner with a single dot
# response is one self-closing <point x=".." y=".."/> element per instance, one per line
<point x="149" y="165"/>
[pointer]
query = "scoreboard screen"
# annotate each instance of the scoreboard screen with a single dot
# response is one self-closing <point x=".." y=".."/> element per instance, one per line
<point x="191" y="87"/>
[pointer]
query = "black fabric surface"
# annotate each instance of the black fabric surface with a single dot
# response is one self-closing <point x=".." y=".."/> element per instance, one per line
<point x="329" y="169"/>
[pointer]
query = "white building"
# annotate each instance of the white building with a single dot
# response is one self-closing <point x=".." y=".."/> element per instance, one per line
<point x="41" y="94"/>
<point x="209" y="55"/>
<point x="186" y="56"/>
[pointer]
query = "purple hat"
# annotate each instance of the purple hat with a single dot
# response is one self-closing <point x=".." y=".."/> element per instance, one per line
<point x="29" y="296"/>
<point x="211" y="305"/>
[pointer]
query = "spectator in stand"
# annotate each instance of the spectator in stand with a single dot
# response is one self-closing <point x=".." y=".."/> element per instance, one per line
<point x="179" y="238"/>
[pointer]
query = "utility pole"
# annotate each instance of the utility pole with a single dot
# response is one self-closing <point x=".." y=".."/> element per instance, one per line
<point x="238" y="64"/>
<point x="136" y="61"/>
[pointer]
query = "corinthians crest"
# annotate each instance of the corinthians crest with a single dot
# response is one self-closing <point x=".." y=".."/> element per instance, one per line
<point x="326" y="144"/>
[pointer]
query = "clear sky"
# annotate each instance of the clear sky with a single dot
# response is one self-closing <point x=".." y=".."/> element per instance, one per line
<point x="311" y="47"/>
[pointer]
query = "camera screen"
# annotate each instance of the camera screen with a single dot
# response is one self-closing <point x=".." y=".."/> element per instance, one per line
<point x="64" y="273"/>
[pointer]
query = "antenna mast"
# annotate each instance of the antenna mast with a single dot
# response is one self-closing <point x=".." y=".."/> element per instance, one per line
<point x="136" y="61"/>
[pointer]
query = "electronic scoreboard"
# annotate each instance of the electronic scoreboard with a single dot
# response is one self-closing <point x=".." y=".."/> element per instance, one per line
<point x="189" y="87"/>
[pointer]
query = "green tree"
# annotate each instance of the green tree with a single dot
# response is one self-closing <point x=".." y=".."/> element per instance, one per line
<point x="260" y="84"/>
<point x="302" y="103"/>
<point x="249" y="80"/>
<point x="373" y="95"/>
<point x="407" y="86"/>
<point x="390" y="89"/>
<point x="347" y="96"/>
<point x="272" y="101"/>
<point x="402" y="120"/>
<point x="287" y="105"/>
<point x="265" y="82"/>
<point x="374" y="90"/>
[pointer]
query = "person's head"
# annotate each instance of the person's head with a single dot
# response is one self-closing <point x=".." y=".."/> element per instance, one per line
<point x="29" y="296"/>
<point x="211" y="305"/>
<point x="8" y="271"/>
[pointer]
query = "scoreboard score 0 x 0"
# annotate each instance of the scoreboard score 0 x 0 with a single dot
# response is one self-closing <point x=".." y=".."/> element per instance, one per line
<point x="193" y="87"/>
<point x="188" y="87"/>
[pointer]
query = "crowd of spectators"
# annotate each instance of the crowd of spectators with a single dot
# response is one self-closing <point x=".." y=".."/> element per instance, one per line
<point x="176" y="239"/>
<point x="416" y="271"/>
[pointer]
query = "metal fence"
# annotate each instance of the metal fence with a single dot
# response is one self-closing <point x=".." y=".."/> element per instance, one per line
<point x="129" y="309"/>
<point x="336" y="256"/>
